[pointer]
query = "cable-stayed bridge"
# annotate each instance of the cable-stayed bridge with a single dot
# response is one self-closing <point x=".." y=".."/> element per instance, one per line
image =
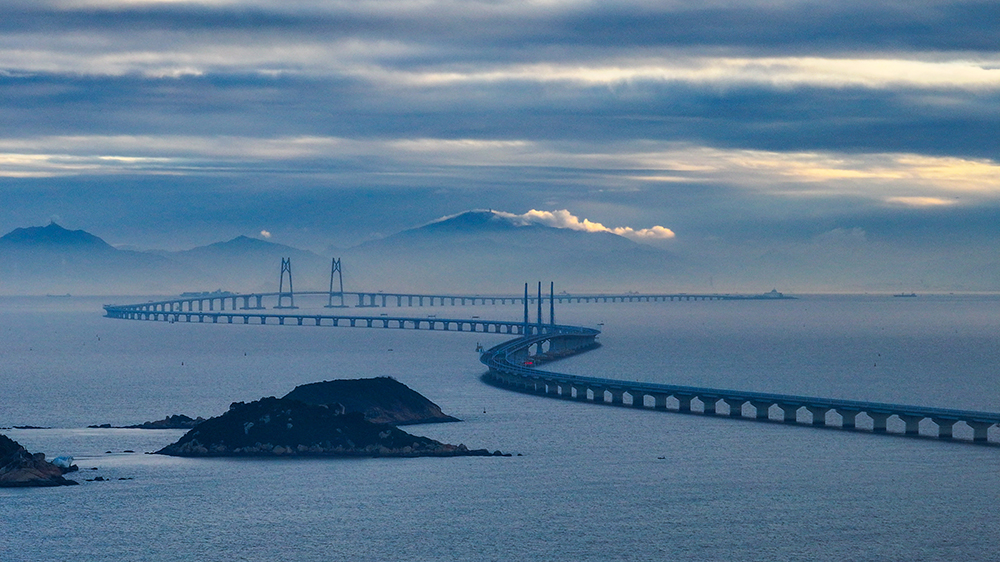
<point x="514" y="364"/>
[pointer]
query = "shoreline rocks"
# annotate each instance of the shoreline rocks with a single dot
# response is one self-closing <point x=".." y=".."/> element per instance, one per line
<point x="281" y="427"/>
<point x="21" y="469"/>
<point x="176" y="421"/>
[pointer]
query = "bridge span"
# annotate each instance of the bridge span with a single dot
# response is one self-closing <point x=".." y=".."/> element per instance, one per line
<point x="514" y="365"/>
<point x="222" y="301"/>
<point x="250" y="316"/>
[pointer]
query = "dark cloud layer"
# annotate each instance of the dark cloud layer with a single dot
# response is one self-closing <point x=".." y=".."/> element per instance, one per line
<point x="770" y="136"/>
<point x="785" y="28"/>
<point x="849" y="119"/>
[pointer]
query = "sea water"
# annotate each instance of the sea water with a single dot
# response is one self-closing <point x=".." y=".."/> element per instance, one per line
<point x="591" y="482"/>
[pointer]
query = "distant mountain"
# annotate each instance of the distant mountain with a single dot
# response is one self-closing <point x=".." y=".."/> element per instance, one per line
<point x="52" y="236"/>
<point x="485" y="251"/>
<point x="473" y="252"/>
<point x="248" y="264"/>
<point x="52" y="259"/>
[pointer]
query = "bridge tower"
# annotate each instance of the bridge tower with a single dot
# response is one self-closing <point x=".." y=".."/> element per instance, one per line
<point x="286" y="267"/>
<point x="335" y="268"/>
<point x="525" y="331"/>
<point x="552" y="303"/>
<point x="539" y="303"/>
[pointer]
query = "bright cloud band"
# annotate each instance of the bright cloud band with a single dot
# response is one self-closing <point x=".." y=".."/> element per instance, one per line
<point x="898" y="180"/>
<point x="564" y="219"/>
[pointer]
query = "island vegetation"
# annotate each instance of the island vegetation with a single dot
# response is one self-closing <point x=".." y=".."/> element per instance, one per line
<point x="282" y="427"/>
<point x="381" y="400"/>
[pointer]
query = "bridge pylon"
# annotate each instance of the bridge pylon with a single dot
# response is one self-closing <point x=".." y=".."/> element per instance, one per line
<point x="286" y="267"/>
<point x="335" y="268"/>
<point x="525" y="330"/>
<point x="539" y="303"/>
<point x="552" y="303"/>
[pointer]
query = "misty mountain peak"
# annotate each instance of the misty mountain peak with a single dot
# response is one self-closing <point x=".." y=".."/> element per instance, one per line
<point x="477" y="219"/>
<point x="54" y="236"/>
<point x="242" y="244"/>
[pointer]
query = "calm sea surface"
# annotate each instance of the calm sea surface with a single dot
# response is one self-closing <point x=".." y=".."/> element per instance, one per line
<point x="589" y="485"/>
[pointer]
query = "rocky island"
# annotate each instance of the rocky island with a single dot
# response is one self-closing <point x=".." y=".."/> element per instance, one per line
<point x="20" y="469"/>
<point x="176" y="421"/>
<point x="283" y="427"/>
<point x="381" y="400"/>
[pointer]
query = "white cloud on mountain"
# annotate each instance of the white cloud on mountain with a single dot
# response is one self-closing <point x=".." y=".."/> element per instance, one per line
<point x="565" y="219"/>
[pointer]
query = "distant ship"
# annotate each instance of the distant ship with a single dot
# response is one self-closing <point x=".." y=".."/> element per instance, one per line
<point x="772" y="294"/>
<point x="906" y="295"/>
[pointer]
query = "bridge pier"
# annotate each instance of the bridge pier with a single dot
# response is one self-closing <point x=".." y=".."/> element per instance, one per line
<point x="684" y="403"/>
<point x="912" y="423"/>
<point x="660" y="401"/>
<point x="566" y="391"/>
<point x="617" y="397"/>
<point x="762" y="409"/>
<point x="638" y="399"/>
<point x="790" y="412"/>
<point x="552" y="388"/>
<point x="708" y="404"/>
<point x="944" y="427"/>
<point x="980" y="430"/>
<point x="878" y="420"/>
<point x="599" y="396"/>
<point x="848" y="417"/>
<point x="735" y="407"/>
<point x="818" y="414"/>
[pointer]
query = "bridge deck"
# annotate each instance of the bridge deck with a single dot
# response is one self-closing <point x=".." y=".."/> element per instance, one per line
<point x="509" y="363"/>
<point x="506" y="363"/>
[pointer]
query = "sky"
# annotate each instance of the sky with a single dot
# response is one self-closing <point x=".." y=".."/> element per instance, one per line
<point x="809" y="145"/>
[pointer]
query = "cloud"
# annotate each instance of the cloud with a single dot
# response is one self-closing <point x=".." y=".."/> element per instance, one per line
<point x="777" y="72"/>
<point x="901" y="179"/>
<point x="919" y="201"/>
<point x="564" y="219"/>
<point x="751" y="120"/>
<point x="265" y="234"/>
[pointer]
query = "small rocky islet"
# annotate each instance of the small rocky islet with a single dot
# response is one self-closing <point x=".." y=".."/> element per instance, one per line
<point x="282" y="427"/>
<point x="176" y="421"/>
<point x="341" y="418"/>
<point x="21" y="469"/>
<point x="380" y="399"/>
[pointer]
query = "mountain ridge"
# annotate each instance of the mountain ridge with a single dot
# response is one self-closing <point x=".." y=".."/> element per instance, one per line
<point x="474" y="250"/>
<point x="53" y="235"/>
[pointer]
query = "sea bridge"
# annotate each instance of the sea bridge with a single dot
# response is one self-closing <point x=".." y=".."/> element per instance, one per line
<point x="514" y="364"/>
<point x="127" y="312"/>
<point x="222" y="301"/>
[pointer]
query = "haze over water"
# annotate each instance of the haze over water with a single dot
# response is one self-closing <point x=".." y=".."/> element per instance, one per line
<point x="590" y="484"/>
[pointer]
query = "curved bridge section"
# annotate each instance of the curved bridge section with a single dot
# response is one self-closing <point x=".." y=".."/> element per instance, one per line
<point x="512" y="365"/>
